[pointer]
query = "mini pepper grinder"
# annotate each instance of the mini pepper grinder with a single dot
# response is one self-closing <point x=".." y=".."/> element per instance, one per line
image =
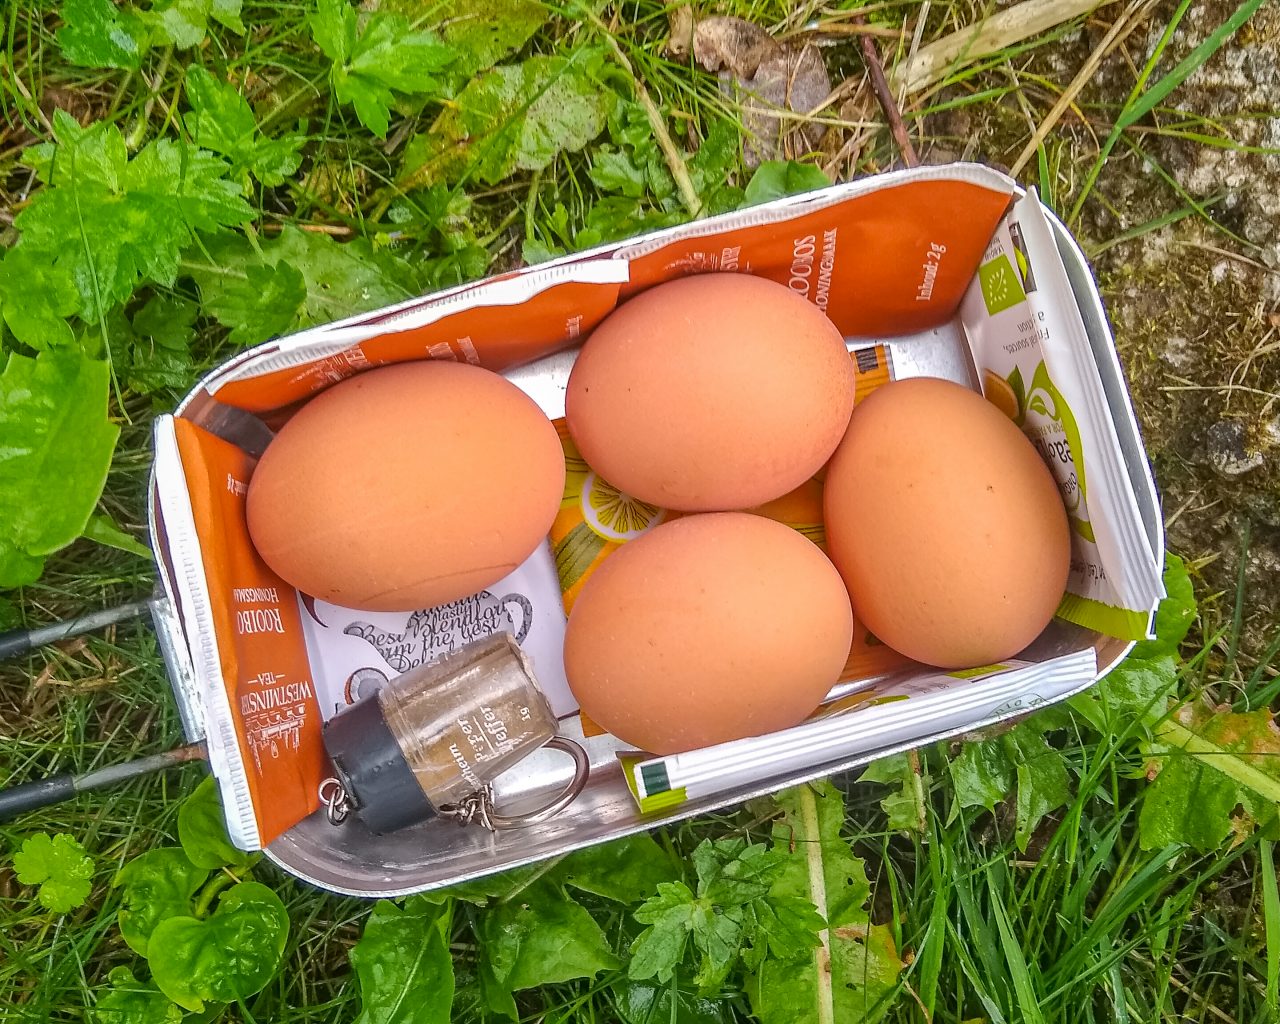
<point x="430" y="742"/>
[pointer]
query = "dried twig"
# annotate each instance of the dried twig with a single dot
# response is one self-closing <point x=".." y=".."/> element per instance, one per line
<point x="884" y="96"/>
<point x="857" y="28"/>
<point x="989" y="36"/>
<point x="334" y="230"/>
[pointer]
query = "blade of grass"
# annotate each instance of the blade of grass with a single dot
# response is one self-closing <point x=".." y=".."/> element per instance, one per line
<point x="1163" y="221"/>
<point x="1200" y="207"/>
<point x="1023" y="987"/>
<point x="1142" y="103"/>
<point x="1271" y="922"/>
<point x="1237" y="611"/>
<point x="1133" y="16"/>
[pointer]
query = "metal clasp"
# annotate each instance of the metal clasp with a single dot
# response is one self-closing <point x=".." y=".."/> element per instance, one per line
<point x="336" y="800"/>
<point x="479" y="807"/>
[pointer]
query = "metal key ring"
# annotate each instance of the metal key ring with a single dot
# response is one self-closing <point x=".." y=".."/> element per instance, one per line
<point x="479" y="808"/>
<point x="336" y="801"/>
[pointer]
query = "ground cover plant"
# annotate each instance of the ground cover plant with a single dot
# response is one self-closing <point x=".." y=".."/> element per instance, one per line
<point x="181" y="178"/>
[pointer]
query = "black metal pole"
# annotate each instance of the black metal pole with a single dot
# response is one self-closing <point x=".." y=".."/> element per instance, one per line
<point x="20" y="641"/>
<point x="30" y="796"/>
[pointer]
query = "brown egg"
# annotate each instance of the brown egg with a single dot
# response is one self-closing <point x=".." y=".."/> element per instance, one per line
<point x="712" y="392"/>
<point x="706" y="629"/>
<point x="407" y="487"/>
<point x="946" y="524"/>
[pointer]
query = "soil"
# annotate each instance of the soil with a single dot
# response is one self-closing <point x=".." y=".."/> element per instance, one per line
<point x="1195" y="305"/>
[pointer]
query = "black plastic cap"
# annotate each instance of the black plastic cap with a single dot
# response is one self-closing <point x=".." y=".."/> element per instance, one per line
<point x="373" y="769"/>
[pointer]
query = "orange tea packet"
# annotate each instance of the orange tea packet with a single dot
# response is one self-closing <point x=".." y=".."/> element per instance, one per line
<point x="252" y="658"/>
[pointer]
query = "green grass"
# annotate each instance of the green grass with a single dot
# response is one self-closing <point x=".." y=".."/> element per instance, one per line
<point x="1084" y="926"/>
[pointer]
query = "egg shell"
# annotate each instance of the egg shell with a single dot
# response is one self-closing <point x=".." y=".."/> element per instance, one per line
<point x="947" y="526"/>
<point x="712" y="392"/>
<point x="706" y="629"/>
<point x="407" y="487"/>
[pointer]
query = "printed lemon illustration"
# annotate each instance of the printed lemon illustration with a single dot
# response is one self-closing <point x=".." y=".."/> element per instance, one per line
<point x="612" y="514"/>
<point x="1000" y="394"/>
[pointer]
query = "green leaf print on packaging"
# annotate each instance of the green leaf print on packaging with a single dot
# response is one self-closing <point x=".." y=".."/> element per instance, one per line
<point x="1001" y="288"/>
<point x="1067" y="462"/>
<point x="1019" y="393"/>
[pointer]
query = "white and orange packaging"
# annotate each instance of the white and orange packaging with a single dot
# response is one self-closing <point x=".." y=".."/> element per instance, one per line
<point x="888" y="258"/>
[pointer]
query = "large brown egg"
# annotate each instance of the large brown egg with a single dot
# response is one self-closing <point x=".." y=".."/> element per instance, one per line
<point x="712" y="392"/>
<point x="946" y="524"/>
<point x="406" y="487"/>
<point x="706" y="629"/>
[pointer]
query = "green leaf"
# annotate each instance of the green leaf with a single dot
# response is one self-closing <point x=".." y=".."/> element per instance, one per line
<point x="221" y="120"/>
<point x="735" y="871"/>
<point x="820" y="861"/>
<point x="717" y="159"/>
<point x="101" y="34"/>
<point x="167" y="320"/>
<point x="185" y="23"/>
<point x="642" y="1002"/>
<point x="131" y="1002"/>
<point x="229" y="956"/>
<point x="1213" y="761"/>
<point x="981" y="776"/>
<point x="103" y="530"/>
<point x="256" y="300"/>
<point x="59" y="866"/>
<point x="202" y="832"/>
<point x="160" y="354"/>
<point x="1136" y="689"/>
<point x="37" y="295"/>
<point x="1021" y="759"/>
<point x="614" y="217"/>
<point x="739" y="912"/>
<point x="491" y="888"/>
<point x="373" y="62"/>
<point x="540" y="937"/>
<point x="481" y="32"/>
<point x="774" y="179"/>
<point x="115" y="223"/>
<point x="626" y="870"/>
<point x="516" y="118"/>
<point x="612" y="170"/>
<point x="158" y="885"/>
<point x="789" y="926"/>
<point x="294" y="281"/>
<point x="1175" y="613"/>
<point x="1043" y="782"/>
<point x="904" y="806"/>
<point x="720" y="934"/>
<point x="849" y="974"/>
<point x="660" y="947"/>
<point x="54" y="458"/>
<point x="403" y="964"/>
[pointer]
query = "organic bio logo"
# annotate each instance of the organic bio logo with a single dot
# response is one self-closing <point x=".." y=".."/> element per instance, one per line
<point x="1001" y="288"/>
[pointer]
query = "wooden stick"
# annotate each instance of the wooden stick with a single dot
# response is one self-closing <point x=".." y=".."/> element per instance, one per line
<point x="884" y="96"/>
<point x="1022" y="21"/>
